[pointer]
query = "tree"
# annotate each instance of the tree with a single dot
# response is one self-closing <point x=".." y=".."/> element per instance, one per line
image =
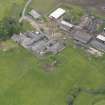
<point x="9" y="26"/>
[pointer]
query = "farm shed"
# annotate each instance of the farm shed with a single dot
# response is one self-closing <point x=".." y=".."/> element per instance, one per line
<point x="82" y="36"/>
<point x="28" y="39"/>
<point x="101" y="38"/>
<point x="64" y="25"/>
<point x="57" y="13"/>
<point x="34" y="36"/>
<point x="35" y="14"/>
<point x="54" y="46"/>
<point x="98" y="45"/>
<point x="16" y="38"/>
<point x="38" y="43"/>
<point x="38" y="47"/>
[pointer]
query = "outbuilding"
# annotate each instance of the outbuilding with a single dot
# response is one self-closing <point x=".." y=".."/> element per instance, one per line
<point x="57" y="13"/>
<point x="82" y="37"/>
<point x="98" y="45"/>
<point x="54" y="46"/>
<point x="64" y="25"/>
<point x="35" y="14"/>
<point x="101" y="38"/>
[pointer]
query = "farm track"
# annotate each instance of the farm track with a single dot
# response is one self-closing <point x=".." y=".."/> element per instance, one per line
<point x="24" y="10"/>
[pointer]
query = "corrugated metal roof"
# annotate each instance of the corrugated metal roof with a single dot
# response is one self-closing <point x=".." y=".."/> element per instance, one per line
<point x="35" y="14"/>
<point x="57" y="13"/>
<point x="82" y="36"/>
<point x="101" y="37"/>
<point x="98" y="45"/>
<point x="66" y="23"/>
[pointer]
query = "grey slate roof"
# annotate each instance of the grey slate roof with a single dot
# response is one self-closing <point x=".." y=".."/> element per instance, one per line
<point x="16" y="38"/>
<point x="35" y="14"/>
<point x="38" y="43"/>
<point x="38" y="47"/>
<point x="54" y="46"/>
<point x="98" y="45"/>
<point x="57" y="47"/>
<point x="82" y="37"/>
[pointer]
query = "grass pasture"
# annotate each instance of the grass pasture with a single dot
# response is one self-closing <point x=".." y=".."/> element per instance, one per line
<point x="43" y="6"/>
<point x="10" y="6"/>
<point x="24" y="82"/>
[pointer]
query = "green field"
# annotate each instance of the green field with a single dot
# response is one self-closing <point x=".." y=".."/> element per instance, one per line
<point x="24" y="80"/>
<point x="43" y="6"/>
<point x="10" y="6"/>
<point x="14" y="7"/>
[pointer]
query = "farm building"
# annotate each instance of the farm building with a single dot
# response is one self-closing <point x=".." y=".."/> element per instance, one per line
<point x="16" y="38"/>
<point x="101" y="38"/>
<point x="35" y="14"/>
<point x="57" y="13"/>
<point x="82" y="37"/>
<point x="54" y="46"/>
<point x="28" y="39"/>
<point x="66" y="26"/>
<point x="98" y="45"/>
<point x="39" y="47"/>
<point x="38" y="43"/>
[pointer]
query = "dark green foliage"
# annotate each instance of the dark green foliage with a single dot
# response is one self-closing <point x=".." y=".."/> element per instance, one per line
<point x="68" y="17"/>
<point x="101" y="28"/>
<point x="9" y="26"/>
<point x="73" y="13"/>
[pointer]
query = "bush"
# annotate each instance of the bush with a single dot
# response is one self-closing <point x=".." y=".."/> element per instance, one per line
<point x="73" y="14"/>
<point x="9" y="26"/>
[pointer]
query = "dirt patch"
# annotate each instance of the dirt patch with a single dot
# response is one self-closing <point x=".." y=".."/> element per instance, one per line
<point x="48" y="67"/>
<point x="7" y="45"/>
<point x="1" y="45"/>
